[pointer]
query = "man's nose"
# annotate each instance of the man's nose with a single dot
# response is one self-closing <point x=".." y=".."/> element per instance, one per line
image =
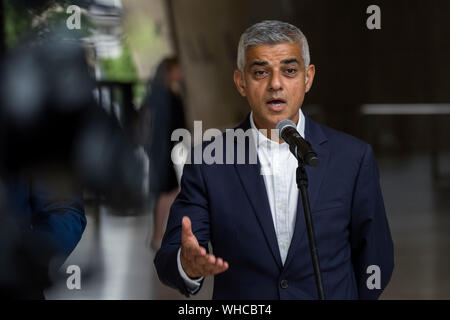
<point x="275" y="82"/>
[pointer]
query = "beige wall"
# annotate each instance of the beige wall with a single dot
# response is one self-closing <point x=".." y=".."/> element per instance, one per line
<point x="147" y="30"/>
<point x="208" y="33"/>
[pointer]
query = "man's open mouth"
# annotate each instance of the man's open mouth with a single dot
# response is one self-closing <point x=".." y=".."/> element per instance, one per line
<point x="276" y="103"/>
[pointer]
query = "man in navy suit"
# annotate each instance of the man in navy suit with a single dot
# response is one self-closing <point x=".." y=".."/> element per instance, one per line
<point x="251" y="212"/>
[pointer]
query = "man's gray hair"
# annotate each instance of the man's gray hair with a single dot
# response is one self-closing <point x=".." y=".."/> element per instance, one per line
<point x="271" y="32"/>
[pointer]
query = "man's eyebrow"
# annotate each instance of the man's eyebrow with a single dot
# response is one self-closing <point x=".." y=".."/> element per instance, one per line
<point x="292" y="60"/>
<point x="259" y="63"/>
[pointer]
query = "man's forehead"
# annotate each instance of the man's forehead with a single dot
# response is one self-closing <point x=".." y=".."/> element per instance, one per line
<point x="274" y="53"/>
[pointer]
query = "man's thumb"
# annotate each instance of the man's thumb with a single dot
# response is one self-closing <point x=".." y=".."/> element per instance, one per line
<point x="186" y="228"/>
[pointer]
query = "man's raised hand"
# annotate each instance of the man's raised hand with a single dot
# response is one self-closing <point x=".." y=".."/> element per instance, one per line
<point x="194" y="259"/>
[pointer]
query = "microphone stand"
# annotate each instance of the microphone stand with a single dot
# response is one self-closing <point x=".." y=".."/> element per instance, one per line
<point x="302" y="184"/>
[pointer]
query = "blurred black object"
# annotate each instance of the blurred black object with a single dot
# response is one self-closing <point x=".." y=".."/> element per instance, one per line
<point x="51" y="125"/>
<point x="39" y="228"/>
<point x="50" y="121"/>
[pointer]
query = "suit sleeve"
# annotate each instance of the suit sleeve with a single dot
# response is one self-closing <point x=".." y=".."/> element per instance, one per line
<point x="371" y="240"/>
<point x="192" y="201"/>
<point x="58" y="221"/>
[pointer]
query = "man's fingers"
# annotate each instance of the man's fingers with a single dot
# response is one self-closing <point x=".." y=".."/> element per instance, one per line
<point x="210" y="265"/>
<point x="202" y="260"/>
<point x="219" y="268"/>
<point x="211" y="259"/>
<point x="221" y="265"/>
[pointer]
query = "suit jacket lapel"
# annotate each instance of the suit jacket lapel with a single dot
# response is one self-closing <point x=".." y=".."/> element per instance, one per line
<point x="253" y="183"/>
<point x="316" y="137"/>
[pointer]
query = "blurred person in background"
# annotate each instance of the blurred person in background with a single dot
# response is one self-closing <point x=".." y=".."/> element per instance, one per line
<point x="165" y="111"/>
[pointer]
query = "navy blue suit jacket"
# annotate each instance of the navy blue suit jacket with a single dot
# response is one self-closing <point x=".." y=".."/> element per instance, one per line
<point x="228" y="206"/>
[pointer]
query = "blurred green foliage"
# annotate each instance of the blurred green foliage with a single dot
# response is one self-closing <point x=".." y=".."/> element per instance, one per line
<point x="20" y="21"/>
<point x="121" y="68"/>
<point x="56" y="19"/>
<point x="17" y="22"/>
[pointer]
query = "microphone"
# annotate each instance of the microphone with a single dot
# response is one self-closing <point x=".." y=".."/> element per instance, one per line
<point x="299" y="147"/>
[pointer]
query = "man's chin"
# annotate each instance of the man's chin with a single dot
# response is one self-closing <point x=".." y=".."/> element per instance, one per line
<point x="271" y="119"/>
<point x="274" y="119"/>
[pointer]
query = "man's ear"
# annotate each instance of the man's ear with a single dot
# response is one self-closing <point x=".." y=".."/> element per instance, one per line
<point x="239" y="82"/>
<point x="310" y="72"/>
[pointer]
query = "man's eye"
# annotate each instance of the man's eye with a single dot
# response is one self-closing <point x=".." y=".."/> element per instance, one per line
<point x="291" y="71"/>
<point x="259" y="73"/>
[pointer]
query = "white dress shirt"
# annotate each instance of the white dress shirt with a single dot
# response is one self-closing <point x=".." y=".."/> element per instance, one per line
<point x="278" y="166"/>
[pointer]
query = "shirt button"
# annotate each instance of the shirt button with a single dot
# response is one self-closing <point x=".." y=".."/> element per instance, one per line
<point x="284" y="284"/>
